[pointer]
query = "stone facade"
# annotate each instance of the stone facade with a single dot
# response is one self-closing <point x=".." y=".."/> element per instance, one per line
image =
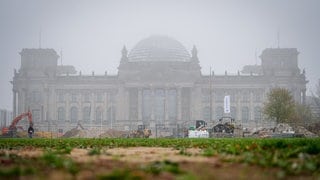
<point x="159" y="84"/>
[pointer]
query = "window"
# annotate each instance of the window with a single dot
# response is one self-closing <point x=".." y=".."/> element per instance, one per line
<point x="86" y="114"/>
<point x="257" y="96"/>
<point x="35" y="96"/>
<point x="245" y="114"/>
<point x="159" y="105"/>
<point x="36" y="115"/>
<point x="133" y="104"/>
<point x="60" y="97"/>
<point x="86" y="97"/>
<point x="98" y="114"/>
<point x="245" y="96"/>
<point x="111" y="114"/>
<point x="146" y="104"/>
<point x="61" y="114"/>
<point x="74" y="114"/>
<point x="232" y="95"/>
<point x="111" y="97"/>
<point x="73" y="97"/>
<point x="172" y="104"/>
<point x="257" y="113"/>
<point x="99" y="96"/>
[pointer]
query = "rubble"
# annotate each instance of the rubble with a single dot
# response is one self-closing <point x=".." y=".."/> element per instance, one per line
<point x="94" y="133"/>
<point x="304" y="131"/>
<point x="282" y="130"/>
<point x="111" y="133"/>
<point x="262" y="132"/>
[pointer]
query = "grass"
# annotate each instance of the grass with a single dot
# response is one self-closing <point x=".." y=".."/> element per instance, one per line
<point x="291" y="156"/>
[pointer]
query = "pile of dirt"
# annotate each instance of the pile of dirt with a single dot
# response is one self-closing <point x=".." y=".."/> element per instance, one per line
<point x="44" y="134"/>
<point x="262" y="133"/>
<point x="94" y="133"/>
<point x="72" y="133"/>
<point x="315" y="128"/>
<point x="304" y="131"/>
<point x="282" y="129"/>
<point x="111" y="133"/>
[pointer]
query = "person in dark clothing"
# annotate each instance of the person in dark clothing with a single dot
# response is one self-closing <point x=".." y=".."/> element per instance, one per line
<point x="30" y="131"/>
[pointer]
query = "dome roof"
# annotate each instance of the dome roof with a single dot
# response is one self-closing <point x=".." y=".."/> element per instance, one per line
<point x="159" y="48"/>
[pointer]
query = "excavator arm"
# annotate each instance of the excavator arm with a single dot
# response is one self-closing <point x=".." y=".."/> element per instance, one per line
<point x="15" y="121"/>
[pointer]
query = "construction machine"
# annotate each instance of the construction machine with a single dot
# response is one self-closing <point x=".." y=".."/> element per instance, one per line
<point x="200" y="131"/>
<point x="11" y="131"/>
<point x="225" y="125"/>
<point x="142" y="132"/>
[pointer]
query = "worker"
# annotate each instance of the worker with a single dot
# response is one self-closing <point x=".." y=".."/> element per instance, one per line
<point x="30" y="131"/>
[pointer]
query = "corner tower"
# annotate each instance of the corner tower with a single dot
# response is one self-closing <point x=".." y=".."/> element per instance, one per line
<point x="280" y="62"/>
<point x="38" y="62"/>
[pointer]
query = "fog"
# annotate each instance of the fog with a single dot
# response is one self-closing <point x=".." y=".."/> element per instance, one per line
<point x="90" y="34"/>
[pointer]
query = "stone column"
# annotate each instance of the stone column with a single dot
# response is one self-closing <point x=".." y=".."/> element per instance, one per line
<point x="166" y="116"/>
<point x="93" y="109"/>
<point x="67" y="106"/>
<point x="14" y="103"/>
<point x="139" y="104"/>
<point x="19" y="102"/>
<point x="251" y="109"/>
<point x="304" y="96"/>
<point x="152" y="103"/>
<point x="179" y="104"/>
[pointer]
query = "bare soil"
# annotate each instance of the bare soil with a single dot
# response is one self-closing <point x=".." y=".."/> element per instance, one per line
<point x="135" y="160"/>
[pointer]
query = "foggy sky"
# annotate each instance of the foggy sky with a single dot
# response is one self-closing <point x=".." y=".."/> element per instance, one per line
<point x="228" y="33"/>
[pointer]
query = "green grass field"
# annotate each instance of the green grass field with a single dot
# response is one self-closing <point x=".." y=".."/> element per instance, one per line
<point x="286" y="157"/>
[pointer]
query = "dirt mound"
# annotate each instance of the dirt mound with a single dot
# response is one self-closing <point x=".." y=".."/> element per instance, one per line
<point x="72" y="133"/>
<point x="283" y="129"/>
<point x="111" y="133"/>
<point x="262" y="132"/>
<point x="304" y="131"/>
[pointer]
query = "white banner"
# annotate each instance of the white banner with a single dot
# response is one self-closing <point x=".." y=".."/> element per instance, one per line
<point x="227" y="104"/>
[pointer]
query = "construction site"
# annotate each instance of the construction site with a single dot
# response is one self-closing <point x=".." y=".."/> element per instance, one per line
<point x="223" y="128"/>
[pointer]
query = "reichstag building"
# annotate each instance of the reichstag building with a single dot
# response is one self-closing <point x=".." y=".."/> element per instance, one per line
<point x="159" y="83"/>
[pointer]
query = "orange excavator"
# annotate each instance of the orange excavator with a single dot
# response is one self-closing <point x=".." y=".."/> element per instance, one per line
<point x="12" y="129"/>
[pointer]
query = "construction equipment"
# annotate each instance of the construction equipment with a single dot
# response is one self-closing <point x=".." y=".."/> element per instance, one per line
<point x="11" y="131"/>
<point x="142" y="132"/>
<point x="223" y="126"/>
<point x="200" y="131"/>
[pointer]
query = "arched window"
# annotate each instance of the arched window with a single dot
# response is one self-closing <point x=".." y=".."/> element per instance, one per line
<point x="61" y="114"/>
<point x="245" y="114"/>
<point x="86" y="114"/>
<point x="98" y="114"/>
<point x="74" y="114"/>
